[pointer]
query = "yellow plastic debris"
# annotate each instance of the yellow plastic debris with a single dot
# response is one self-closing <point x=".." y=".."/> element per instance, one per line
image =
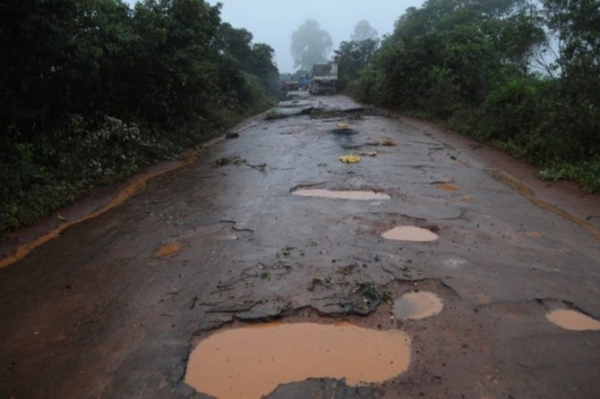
<point x="342" y="126"/>
<point x="349" y="158"/>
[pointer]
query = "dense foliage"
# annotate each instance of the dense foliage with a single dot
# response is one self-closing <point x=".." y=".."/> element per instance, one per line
<point x="91" y="90"/>
<point x="486" y="68"/>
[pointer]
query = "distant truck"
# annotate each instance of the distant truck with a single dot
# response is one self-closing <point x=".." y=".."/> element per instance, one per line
<point x="288" y="82"/>
<point x="323" y="79"/>
<point x="290" y="85"/>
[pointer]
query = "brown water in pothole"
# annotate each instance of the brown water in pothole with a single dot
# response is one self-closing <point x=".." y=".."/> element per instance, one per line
<point x="251" y="362"/>
<point x="410" y="233"/>
<point x="348" y="195"/>
<point x="168" y="249"/>
<point x="417" y="305"/>
<point x="573" y="320"/>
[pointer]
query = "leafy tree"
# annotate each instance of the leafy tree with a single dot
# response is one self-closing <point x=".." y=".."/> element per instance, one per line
<point x="522" y="38"/>
<point x="236" y="42"/>
<point x="310" y="45"/>
<point x="364" y="31"/>
<point x="262" y="65"/>
<point x="254" y="58"/>
<point x="577" y="115"/>
<point x="449" y="54"/>
<point x="577" y="23"/>
<point x="354" y="56"/>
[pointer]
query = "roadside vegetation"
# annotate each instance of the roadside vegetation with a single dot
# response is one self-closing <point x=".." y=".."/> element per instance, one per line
<point x="92" y="90"/>
<point x="521" y="75"/>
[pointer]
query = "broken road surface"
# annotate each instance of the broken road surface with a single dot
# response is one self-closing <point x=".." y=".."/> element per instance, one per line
<point x="326" y="250"/>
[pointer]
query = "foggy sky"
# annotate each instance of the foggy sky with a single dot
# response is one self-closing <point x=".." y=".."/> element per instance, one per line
<point x="273" y="21"/>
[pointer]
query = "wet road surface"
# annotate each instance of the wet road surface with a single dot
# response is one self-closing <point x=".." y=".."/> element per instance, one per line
<point x="429" y="237"/>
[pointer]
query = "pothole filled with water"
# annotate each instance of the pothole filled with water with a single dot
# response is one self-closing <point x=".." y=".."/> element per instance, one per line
<point x="347" y="195"/>
<point x="410" y="233"/>
<point x="251" y="362"/>
<point x="417" y="305"/>
<point x="573" y="320"/>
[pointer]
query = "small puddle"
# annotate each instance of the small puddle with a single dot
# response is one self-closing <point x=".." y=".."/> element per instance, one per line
<point x="573" y="320"/>
<point x="347" y="195"/>
<point x="410" y="233"/>
<point x="448" y="187"/>
<point x="251" y="362"/>
<point x="417" y="305"/>
<point x="168" y="249"/>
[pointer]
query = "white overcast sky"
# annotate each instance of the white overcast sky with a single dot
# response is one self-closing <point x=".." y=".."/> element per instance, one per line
<point x="273" y="21"/>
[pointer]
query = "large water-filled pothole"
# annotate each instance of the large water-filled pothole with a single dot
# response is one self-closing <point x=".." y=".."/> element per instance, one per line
<point x="573" y="320"/>
<point x="417" y="305"/>
<point x="342" y="194"/>
<point x="251" y="362"/>
<point x="410" y="233"/>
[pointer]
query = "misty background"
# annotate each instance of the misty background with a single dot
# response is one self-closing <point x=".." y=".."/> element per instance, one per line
<point x="273" y="21"/>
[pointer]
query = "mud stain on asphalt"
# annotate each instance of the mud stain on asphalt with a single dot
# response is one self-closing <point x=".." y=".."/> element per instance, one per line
<point x="573" y="320"/>
<point x="251" y="362"/>
<point x="136" y="186"/>
<point x="417" y="305"/>
<point x="168" y="249"/>
<point x="530" y="195"/>
<point x="448" y="187"/>
<point x="531" y="234"/>
<point x="347" y="195"/>
<point x="410" y="233"/>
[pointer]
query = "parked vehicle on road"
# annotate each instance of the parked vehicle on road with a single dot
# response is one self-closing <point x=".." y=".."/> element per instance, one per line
<point x="323" y="79"/>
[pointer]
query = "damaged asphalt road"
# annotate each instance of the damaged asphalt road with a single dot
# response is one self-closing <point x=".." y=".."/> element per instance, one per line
<point x="114" y="307"/>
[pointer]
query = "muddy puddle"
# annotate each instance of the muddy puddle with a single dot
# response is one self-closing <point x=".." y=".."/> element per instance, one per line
<point x="417" y="305"/>
<point x="251" y="362"/>
<point x="410" y="233"/>
<point x="347" y="195"/>
<point x="573" y="320"/>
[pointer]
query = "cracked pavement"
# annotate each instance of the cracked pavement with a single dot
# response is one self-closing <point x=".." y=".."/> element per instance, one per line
<point x="95" y="314"/>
